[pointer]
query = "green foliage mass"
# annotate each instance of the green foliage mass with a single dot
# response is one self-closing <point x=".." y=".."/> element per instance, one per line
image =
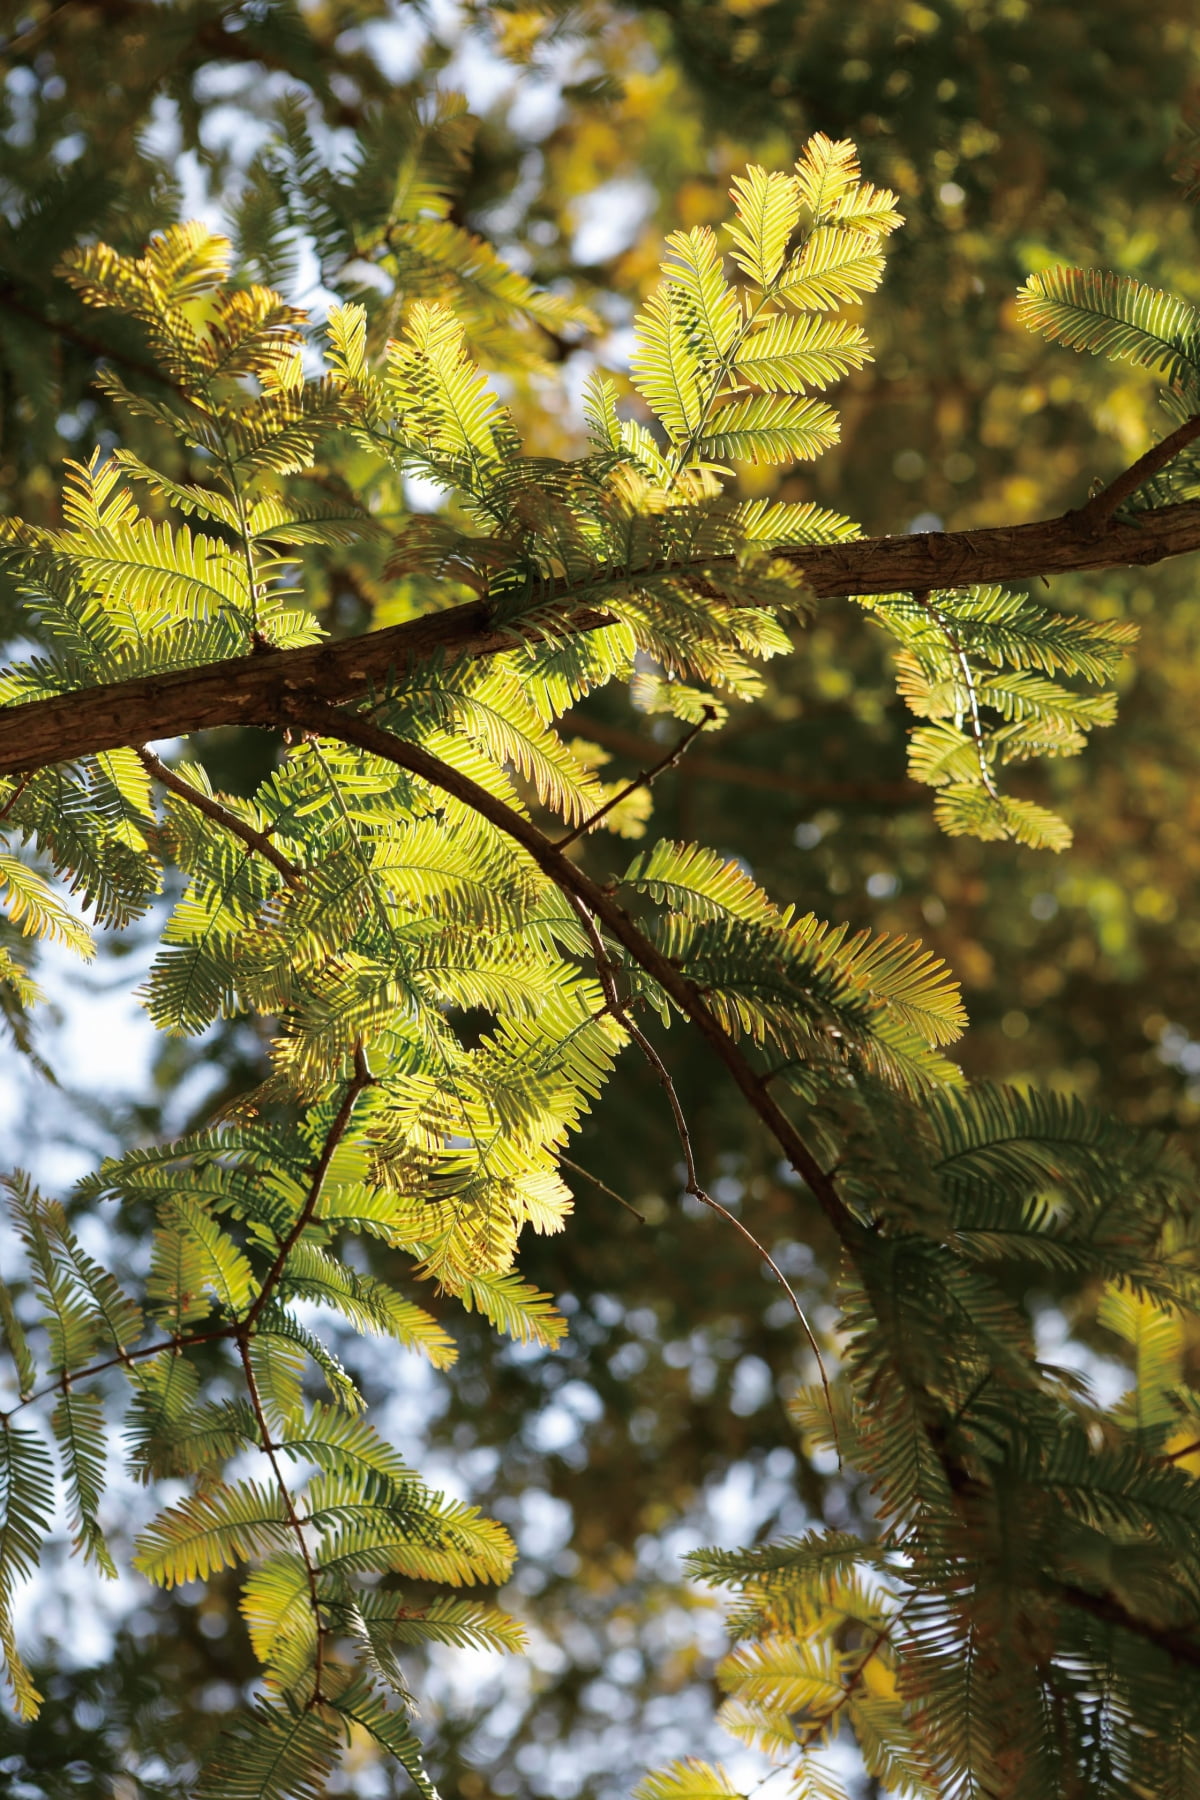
<point x="424" y="906"/>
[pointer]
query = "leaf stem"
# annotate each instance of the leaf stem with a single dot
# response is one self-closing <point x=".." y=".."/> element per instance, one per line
<point x="316" y="1698"/>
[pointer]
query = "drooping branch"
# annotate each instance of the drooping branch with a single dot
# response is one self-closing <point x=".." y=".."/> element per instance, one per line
<point x="265" y="689"/>
<point x="606" y="970"/>
<point x="589" y="898"/>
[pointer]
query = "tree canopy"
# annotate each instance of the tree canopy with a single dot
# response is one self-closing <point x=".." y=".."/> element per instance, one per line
<point x="576" y="639"/>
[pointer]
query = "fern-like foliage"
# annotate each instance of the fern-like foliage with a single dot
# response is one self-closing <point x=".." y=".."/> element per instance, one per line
<point x="1003" y="1507"/>
<point x="421" y="858"/>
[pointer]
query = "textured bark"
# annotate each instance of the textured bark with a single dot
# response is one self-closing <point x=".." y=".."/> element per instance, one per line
<point x="263" y="689"/>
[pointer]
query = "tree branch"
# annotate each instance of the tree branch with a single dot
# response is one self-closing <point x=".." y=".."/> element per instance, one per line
<point x="295" y="1523"/>
<point x="1174" y="1642"/>
<point x="738" y="774"/>
<point x="221" y="815"/>
<point x="608" y="981"/>
<point x="263" y="689"/>
<point x="1101" y="507"/>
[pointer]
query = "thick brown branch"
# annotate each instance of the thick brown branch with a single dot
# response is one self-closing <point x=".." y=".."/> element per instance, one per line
<point x="266" y="689"/>
<point x="257" y="689"/>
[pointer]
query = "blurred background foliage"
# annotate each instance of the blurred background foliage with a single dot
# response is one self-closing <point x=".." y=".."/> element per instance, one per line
<point x="1017" y="135"/>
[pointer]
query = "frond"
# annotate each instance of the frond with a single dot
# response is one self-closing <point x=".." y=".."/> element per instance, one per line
<point x="26" y="1507"/>
<point x="1114" y="315"/>
<point x="768" y="211"/>
<point x="690" y="1779"/>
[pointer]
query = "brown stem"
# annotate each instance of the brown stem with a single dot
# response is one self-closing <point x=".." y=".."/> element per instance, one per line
<point x="1101" y="507"/>
<point x="15" y="795"/>
<point x="362" y="1078"/>
<point x="882" y="1636"/>
<point x="647" y="778"/>
<point x="221" y="815"/>
<point x="260" y="690"/>
<point x="738" y="774"/>
<point x="577" y="1169"/>
<point x="173" y="1344"/>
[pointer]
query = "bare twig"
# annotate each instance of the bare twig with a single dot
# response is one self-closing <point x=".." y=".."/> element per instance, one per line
<point x="608" y="981"/>
<point x="738" y="774"/>
<point x="221" y="815"/>
<point x="603" y="1186"/>
<point x="646" y="779"/>
<point x="122" y="1358"/>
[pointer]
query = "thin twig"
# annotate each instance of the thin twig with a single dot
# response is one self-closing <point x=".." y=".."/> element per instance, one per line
<point x="293" y="1518"/>
<point x="220" y="815"/>
<point x="1097" y="511"/>
<point x="738" y="774"/>
<point x="882" y="1636"/>
<point x="15" y="795"/>
<point x="362" y="1078"/>
<point x="947" y="630"/>
<point x="572" y="880"/>
<point x="646" y="779"/>
<point x="173" y="1344"/>
<point x="603" y="1186"/>
<point x="606" y="970"/>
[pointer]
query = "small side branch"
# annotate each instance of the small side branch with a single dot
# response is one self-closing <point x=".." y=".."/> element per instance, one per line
<point x="122" y="1360"/>
<point x="212" y="809"/>
<point x="601" y="1187"/>
<point x="362" y="1078"/>
<point x="646" y="779"/>
<point x="1100" y="508"/>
